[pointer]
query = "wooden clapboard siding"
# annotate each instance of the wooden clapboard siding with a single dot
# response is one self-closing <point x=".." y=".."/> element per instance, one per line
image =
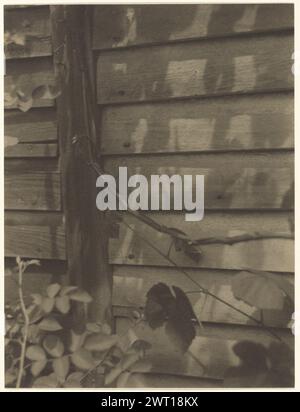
<point x="212" y="348"/>
<point x="256" y="64"/>
<point x="33" y="191"/>
<point x="131" y="285"/>
<point x="152" y="380"/>
<point x="34" y="126"/>
<point x="217" y="124"/>
<point x="38" y="235"/>
<point x="263" y="254"/>
<point x="32" y="150"/>
<point x="27" y="75"/>
<point x="126" y="25"/>
<point x="227" y="185"/>
<point x="33" y="30"/>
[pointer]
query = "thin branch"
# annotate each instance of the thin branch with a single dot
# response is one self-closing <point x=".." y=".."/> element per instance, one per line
<point x="202" y="289"/>
<point x="230" y="240"/>
<point x="26" y="325"/>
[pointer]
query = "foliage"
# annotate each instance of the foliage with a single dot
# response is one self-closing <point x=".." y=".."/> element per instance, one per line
<point x="42" y="351"/>
<point x="171" y="307"/>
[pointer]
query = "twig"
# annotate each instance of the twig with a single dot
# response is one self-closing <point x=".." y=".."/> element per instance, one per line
<point x="202" y="289"/>
<point x="26" y="325"/>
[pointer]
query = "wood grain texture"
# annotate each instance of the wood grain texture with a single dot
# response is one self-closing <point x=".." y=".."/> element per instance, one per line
<point x="126" y="25"/>
<point x="32" y="25"/>
<point x="24" y="76"/>
<point x="32" y="150"/>
<point x="212" y="347"/>
<point x="265" y="254"/>
<point x="131" y="285"/>
<point x="231" y="185"/>
<point x="206" y="68"/>
<point x="36" y="235"/>
<point x="87" y="239"/>
<point x="154" y="380"/>
<point x="32" y="191"/>
<point x="221" y="124"/>
<point x="34" y="126"/>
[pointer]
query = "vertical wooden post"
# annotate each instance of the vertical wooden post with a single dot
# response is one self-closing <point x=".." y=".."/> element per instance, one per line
<point x="86" y="237"/>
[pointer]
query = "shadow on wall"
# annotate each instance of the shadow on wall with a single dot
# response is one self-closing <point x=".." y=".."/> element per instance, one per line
<point x="212" y="67"/>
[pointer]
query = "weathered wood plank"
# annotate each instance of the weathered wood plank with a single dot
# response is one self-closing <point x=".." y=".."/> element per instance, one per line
<point x="131" y="285"/>
<point x="227" y="185"/>
<point x="25" y="76"/>
<point x="87" y="240"/>
<point x="32" y="191"/>
<point x="264" y="254"/>
<point x="212" y="348"/>
<point x="151" y="380"/>
<point x="222" y="124"/>
<point x="206" y="68"/>
<point x="32" y="150"/>
<point x="31" y="166"/>
<point x="32" y="26"/>
<point x="127" y="25"/>
<point x="36" y="125"/>
<point x="37" y="235"/>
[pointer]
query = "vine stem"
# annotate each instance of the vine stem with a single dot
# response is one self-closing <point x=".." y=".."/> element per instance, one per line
<point x="26" y="325"/>
<point x="202" y="289"/>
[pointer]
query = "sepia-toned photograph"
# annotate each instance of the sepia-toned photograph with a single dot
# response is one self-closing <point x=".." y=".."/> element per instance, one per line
<point x="149" y="196"/>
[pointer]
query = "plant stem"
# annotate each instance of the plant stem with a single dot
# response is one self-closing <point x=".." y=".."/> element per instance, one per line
<point x="26" y="325"/>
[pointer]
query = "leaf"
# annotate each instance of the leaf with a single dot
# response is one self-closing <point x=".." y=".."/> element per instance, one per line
<point x="37" y="367"/>
<point x="37" y="298"/>
<point x="125" y="363"/>
<point x="258" y="291"/>
<point x="180" y="326"/>
<point x="54" y="346"/>
<point x="47" y="304"/>
<point x="24" y="106"/>
<point x="33" y="334"/>
<point x="159" y="299"/>
<point x="53" y="289"/>
<point x="176" y="312"/>
<point x="10" y="377"/>
<point x="49" y="381"/>
<point x="123" y="379"/>
<point x="35" y="313"/>
<point x="141" y="345"/>
<point x="61" y="368"/>
<point x="47" y="91"/>
<point x="77" y="340"/>
<point x="31" y="262"/>
<point x="74" y="380"/>
<point x="35" y="353"/>
<point x="63" y="304"/>
<point x="100" y="342"/>
<point x="49" y="324"/>
<point x="141" y="366"/>
<point x="80" y="295"/>
<point x="93" y="327"/>
<point x="65" y="290"/>
<point x="10" y="141"/>
<point x="83" y="359"/>
<point x="113" y="374"/>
